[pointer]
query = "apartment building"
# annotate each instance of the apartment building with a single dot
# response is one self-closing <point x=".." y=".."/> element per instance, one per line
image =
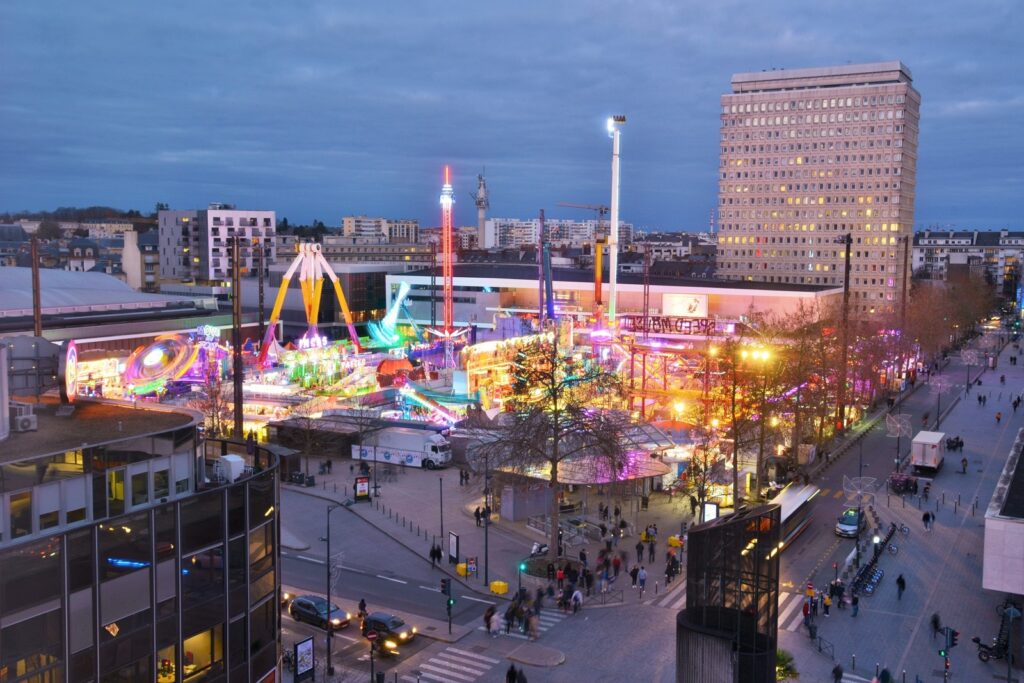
<point x="514" y="232"/>
<point x="375" y="229"/>
<point x="809" y="156"/>
<point x="997" y="253"/>
<point x="196" y="245"/>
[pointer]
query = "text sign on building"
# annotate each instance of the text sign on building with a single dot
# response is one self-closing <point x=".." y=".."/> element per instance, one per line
<point x="668" y="324"/>
<point x="684" y="305"/>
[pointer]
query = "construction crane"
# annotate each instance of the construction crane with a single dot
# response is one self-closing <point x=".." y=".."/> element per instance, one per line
<point x="599" y="244"/>
<point x="601" y="209"/>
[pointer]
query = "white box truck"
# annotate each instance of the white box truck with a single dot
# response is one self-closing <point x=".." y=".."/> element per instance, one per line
<point x="927" y="451"/>
<point x="402" y="445"/>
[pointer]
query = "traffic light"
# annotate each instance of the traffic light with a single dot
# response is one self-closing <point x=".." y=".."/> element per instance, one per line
<point x="522" y="566"/>
<point x="446" y="586"/>
<point x="451" y="602"/>
<point x="953" y="638"/>
<point x="942" y="652"/>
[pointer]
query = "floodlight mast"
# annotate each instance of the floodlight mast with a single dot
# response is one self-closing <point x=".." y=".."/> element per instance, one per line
<point x="615" y="124"/>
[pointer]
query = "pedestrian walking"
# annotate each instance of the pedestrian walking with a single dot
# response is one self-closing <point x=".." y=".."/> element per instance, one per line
<point x="963" y="465"/>
<point x="826" y="603"/>
<point x="560" y="576"/>
<point x="814" y="604"/>
<point x="650" y="551"/>
<point x="618" y="512"/>
<point x="477" y="515"/>
<point x="639" y="552"/>
<point x="901" y="585"/>
<point x="999" y="416"/>
<point x="633" y="573"/>
<point x="511" y="675"/>
<point x="521" y="677"/>
<point x="583" y="557"/>
<point x="488" y="618"/>
<point x="642" y="578"/>
<point x="837" y="673"/>
<point x="510" y="616"/>
<point x="577" y="601"/>
<point x="924" y="520"/>
<point x="855" y="604"/>
<point x="807" y="612"/>
<point x="533" y="626"/>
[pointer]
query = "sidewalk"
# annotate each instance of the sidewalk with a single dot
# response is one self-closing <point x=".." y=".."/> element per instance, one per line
<point x="942" y="567"/>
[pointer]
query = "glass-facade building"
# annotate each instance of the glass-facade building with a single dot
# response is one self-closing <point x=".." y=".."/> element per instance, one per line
<point x="143" y="552"/>
<point x="729" y="628"/>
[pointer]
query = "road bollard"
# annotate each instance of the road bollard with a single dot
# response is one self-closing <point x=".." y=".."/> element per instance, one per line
<point x="943" y="497"/>
<point x="655" y="587"/>
<point x="877" y="669"/>
<point x="904" y="676"/>
<point x="956" y="506"/>
<point x="853" y="666"/>
<point x="904" y="502"/>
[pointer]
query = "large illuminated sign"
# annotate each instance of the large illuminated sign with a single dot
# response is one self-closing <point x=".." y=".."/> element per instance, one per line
<point x="668" y="324"/>
<point x="684" y="305"/>
<point x="69" y="374"/>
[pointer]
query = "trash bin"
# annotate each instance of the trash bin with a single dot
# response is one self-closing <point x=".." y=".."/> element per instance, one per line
<point x="499" y="587"/>
<point x="379" y="677"/>
<point x="460" y="569"/>
<point x="310" y="480"/>
<point x="812" y="628"/>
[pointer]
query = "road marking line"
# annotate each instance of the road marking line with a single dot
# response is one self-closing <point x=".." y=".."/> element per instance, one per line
<point x="680" y="603"/>
<point x="434" y="677"/>
<point x="459" y="664"/>
<point x="474" y="655"/>
<point x="460" y="676"/>
<point x="470" y="597"/>
<point x="311" y="559"/>
<point x="791" y="605"/>
<point x="431" y="588"/>
<point x="839" y="494"/>
<point x="388" y="578"/>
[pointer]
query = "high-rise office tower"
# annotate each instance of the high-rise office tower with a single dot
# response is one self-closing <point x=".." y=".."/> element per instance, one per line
<point x="808" y="156"/>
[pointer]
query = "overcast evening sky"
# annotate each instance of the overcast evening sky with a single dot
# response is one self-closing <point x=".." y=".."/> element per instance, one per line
<point x="322" y="109"/>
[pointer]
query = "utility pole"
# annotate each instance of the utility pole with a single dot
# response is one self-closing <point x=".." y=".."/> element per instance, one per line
<point x="330" y="631"/>
<point x="844" y="355"/>
<point x="238" y="370"/>
<point x="260" y="254"/>
<point x="37" y="295"/>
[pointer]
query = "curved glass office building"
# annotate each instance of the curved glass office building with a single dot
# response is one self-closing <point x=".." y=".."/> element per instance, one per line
<point x="134" y="549"/>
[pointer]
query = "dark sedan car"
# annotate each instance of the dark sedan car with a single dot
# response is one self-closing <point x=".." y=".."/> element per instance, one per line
<point x="391" y="631"/>
<point x="312" y="609"/>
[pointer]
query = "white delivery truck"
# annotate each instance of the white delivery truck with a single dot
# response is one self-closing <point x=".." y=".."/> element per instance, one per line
<point x="405" y="446"/>
<point x="927" y="451"/>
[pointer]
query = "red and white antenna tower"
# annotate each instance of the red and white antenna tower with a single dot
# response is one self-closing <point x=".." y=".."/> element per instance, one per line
<point x="447" y="331"/>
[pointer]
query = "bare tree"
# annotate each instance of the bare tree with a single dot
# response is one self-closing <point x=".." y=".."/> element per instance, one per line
<point x="564" y="414"/>
<point x="214" y="401"/>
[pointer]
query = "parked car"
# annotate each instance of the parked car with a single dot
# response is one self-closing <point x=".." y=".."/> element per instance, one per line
<point x="312" y="609"/>
<point x="391" y="631"/>
<point x="850" y="523"/>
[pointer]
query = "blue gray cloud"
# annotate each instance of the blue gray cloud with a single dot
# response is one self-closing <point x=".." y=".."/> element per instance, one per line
<point x="320" y="109"/>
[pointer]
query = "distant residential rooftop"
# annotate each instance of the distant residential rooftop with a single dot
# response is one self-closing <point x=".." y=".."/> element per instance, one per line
<point x="92" y="423"/>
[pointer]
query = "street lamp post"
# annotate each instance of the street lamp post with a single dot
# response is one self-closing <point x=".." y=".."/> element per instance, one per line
<point x="487" y="521"/>
<point x="330" y="631"/>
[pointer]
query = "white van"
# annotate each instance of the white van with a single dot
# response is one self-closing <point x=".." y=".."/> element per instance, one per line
<point x="404" y="446"/>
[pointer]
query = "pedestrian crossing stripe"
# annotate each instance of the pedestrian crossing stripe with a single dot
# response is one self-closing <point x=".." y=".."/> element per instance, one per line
<point x="791" y="616"/>
<point x="453" y="664"/>
<point x="674" y="599"/>
<point x="547" y="619"/>
<point x="851" y="678"/>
